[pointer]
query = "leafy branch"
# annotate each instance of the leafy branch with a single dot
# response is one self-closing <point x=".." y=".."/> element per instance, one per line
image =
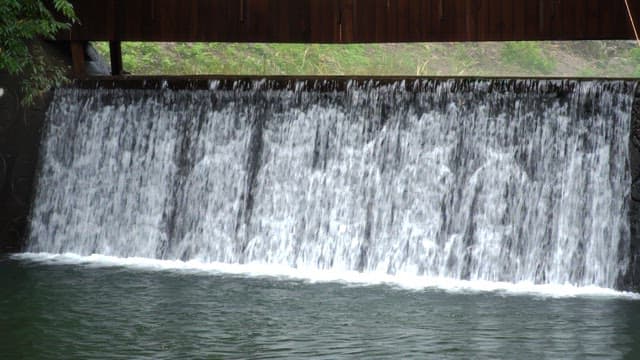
<point x="21" y="22"/>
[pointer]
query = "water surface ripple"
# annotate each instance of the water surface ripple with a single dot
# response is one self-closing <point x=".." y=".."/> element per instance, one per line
<point x="85" y="312"/>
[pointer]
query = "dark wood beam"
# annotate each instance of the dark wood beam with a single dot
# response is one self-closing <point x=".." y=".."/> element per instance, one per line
<point x="115" y="53"/>
<point x="77" y="59"/>
<point x="351" y="21"/>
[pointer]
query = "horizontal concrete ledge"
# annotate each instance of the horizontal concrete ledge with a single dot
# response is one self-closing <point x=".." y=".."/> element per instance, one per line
<point x="333" y="83"/>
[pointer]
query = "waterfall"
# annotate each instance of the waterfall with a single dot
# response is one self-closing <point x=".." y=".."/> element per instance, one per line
<point x="496" y="180"/>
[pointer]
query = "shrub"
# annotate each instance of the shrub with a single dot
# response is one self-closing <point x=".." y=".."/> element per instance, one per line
<point x="21" y="22"/>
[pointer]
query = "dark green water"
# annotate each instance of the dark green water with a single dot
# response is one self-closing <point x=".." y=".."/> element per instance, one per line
<point x="84" y="312"/>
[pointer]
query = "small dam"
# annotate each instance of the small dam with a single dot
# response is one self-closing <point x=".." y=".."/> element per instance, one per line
<point x="331" y="217"/>
<point x="499" y="180"/>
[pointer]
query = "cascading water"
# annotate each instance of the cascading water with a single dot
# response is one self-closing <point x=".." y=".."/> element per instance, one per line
<point x="468" y="179"/>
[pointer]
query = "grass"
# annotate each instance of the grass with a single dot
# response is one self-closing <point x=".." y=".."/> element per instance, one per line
<point x="634" y="54"/>
<point x="592" y="59"/>
<point x="529" y="56"/>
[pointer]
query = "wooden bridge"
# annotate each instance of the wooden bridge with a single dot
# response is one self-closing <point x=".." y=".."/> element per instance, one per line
<point x="345" y="21"/>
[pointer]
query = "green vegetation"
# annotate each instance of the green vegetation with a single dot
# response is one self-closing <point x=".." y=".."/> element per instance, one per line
<point x="588" y="59"/>
<point x="20" y="23"/>
<point x="635" y="57"/>
<point x="528" y="55"/>
<point x="271" y="59"/>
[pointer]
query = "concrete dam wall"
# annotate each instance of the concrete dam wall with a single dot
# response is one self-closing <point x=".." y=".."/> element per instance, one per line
<point x="481" y="179"/>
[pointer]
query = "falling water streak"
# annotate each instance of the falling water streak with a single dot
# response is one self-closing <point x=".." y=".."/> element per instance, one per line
<point x="475" y="180"/>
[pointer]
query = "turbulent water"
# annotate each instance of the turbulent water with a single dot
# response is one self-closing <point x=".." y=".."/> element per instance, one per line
<point x="477" y="180"/>
<point x="89" y="311"/>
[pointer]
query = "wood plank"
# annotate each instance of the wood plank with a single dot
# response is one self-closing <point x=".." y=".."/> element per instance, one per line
<point x="546" y="18"/>
<point x="557" y="24"/>
<point x="519" y="19"/>
<point x="507" y="20"/>
<point x="458" y="17"/>
<point x="532" y="22"/>
<point x="129" y="24"/>
<point x="605" y="18"/>
<point x="279" y="16"/>
<point x="495" y="20"/>
<point x="417" y="20"/>
<point x="193" y="30"/>
<point x="353" y="19"/>
<point x="173" y="20"/>
<point x="470" y="21"/>
<point x="77" y="59"/>
<point x="403" y="22"/>
<point x="565" y="19"/>
<point x="482" y="22"/>
<point x="380" y="22"/>
<point x="635" y="12"/>
<point x="581" y="13"/>
<point x="448" y="19"/>
<point x="115" y="55"/>
<point x="304" y="23"/>
<point x="292" y="19"/>
<point x="257" y="20"/>
<point x="391" y="19"/>
<point x="324" y="18"/>
<point x="328" y="21"/>
<point x="364" y="21"/>
<point x="347" y="11"/>
<point x="625" y="29"/>
<point x="435" y="15"/>
<point x="592" y="18"/>
<point x="101" y="17"/>
<point x="273" y="19"/>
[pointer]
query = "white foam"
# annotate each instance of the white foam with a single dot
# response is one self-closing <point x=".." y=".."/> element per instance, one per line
<point x="403" y="281"/>
<point x="474" y="183"/>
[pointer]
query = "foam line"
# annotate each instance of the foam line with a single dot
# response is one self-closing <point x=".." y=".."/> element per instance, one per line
<point x="402" y="281"/>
